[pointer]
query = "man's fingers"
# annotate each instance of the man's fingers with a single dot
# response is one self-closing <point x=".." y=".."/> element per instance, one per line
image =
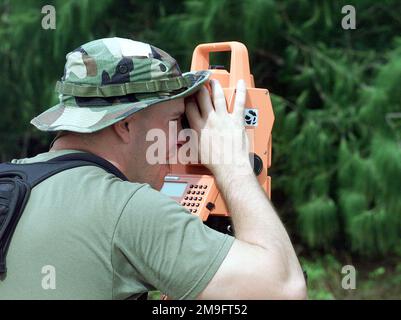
<point x="219" y="100"/>
<point x="240" y="99"/>
<point x="193" y="114"/>
<point x="204" y="101"/>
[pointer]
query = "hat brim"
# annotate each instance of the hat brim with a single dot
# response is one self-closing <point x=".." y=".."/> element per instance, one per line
<point x="94" y="118"/>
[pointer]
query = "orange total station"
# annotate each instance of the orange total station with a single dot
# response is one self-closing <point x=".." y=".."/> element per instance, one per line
<point x="193" y="185"/>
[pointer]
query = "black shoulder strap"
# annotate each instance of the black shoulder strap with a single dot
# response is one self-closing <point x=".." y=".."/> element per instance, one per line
<point x="90" y="159"/>
<point x="35" y="173"/>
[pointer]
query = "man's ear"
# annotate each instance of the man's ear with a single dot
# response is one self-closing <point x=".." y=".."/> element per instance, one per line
<point x="122" y="129"/>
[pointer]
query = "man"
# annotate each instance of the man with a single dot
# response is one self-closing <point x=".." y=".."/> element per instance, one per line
<point x="103" y="238"/>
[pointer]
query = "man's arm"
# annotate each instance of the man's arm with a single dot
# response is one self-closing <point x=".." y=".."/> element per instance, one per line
<point x="262" y="263"/>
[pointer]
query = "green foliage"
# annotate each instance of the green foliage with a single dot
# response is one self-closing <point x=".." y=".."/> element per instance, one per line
<point x="380" y="280"/>
<point x="319" y="272"/>
<point x="335" y="92"/>
<point x="318" y="221"/>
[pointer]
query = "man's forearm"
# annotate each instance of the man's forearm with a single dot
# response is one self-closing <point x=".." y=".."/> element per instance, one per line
<point x="254" y="218"/>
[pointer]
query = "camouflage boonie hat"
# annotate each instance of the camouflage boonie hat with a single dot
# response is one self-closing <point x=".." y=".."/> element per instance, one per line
<point x="109" y="79"/>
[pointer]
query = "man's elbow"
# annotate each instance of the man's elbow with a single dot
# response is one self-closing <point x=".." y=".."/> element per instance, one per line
<point x="288" y="288"/>
<point x="296" y="290"/>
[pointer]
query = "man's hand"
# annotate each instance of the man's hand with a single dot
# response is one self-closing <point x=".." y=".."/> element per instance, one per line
<point x="223" y="143"/>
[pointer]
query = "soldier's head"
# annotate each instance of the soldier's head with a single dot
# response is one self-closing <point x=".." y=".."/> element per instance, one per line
<point x="113" y="92"/>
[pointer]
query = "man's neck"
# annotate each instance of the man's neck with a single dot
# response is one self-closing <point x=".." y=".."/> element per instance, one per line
<point x="66" y="143"/>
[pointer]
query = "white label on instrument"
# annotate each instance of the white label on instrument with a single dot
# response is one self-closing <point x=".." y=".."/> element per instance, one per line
<point x="251" y="117"/>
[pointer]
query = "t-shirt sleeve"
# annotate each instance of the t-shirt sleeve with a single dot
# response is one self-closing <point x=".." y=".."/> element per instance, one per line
<point x="166" y="246"/>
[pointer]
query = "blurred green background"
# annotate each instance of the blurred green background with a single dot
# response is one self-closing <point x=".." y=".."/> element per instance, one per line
<point x="336" y="96"/>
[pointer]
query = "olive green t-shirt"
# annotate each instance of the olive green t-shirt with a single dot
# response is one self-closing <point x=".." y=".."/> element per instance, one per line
<point x="86" y="234"/>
